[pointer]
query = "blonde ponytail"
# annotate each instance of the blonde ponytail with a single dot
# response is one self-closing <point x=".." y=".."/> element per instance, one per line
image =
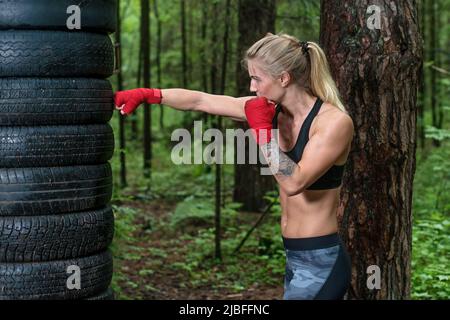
<point x="321" y="83"/>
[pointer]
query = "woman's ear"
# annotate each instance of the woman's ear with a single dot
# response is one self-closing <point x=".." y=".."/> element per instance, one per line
<point x="285" y="79"/>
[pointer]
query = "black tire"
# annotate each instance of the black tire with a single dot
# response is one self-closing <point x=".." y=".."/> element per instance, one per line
<point x="55" y="237"/>
<point x="107" y="295"/>
<point x="35" y="101"/>
<point x="55" y="54"/>
<point x="96" y="15"/>
<point x="53" y="190"/>
<point x="52" y="146"/>
<point x="48" y="280"/>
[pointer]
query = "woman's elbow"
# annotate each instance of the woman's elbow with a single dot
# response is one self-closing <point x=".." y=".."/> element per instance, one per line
<point x="293" y="190"/>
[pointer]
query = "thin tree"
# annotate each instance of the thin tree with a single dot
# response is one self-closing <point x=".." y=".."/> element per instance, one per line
<point x="218" y="153"/>
<point x="422" y="88"/>
<point x="158" y="58"/>
<point x="183" y="44"/>
<point x="204" y="50"/>
<point x="122" y="142"/>
<point x="433" y="57"/>
<point x="145" y="43"/>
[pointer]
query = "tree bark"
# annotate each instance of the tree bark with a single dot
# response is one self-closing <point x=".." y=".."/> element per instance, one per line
<point x="256" y="18"/>
<point x="377" y="73"/>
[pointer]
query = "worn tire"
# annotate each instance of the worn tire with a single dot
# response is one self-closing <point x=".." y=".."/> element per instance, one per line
<point x="55" y="237"/>
<point x="52" y="146"/>
<point x="53" y="190"/>
<point x="48" y="280"/>
<point x="106" y="295"/>
<point x="55" y="54"/>
<point x="96" y="15"/>
<point x="51" y="101"/>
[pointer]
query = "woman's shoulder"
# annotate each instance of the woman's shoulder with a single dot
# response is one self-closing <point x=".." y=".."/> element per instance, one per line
<point x="331" y="117"/>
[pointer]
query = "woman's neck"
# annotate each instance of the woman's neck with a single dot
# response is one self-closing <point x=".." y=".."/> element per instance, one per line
<point x="297" y="103"/>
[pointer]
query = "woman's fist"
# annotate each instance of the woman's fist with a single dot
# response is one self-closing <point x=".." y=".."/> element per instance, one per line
<point x="127" y="101"/>
<point x="260" y="113"/>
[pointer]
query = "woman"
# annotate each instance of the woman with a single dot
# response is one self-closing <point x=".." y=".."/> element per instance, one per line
<point x="314" y="138"/>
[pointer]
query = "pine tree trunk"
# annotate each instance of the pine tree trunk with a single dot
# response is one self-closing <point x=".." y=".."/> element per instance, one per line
<point x="421" y="118"/>
<point x="433" y="56"/>
<point x="203" y="54"/>
<point x="377" y="72"/>
<point x="158" y="59"/>
<point x="219" y="171"/>
<point x="122" y="142"/>
<point x="183" y="44"/>
<point x="134" y="115"/>
<point x="256" y="18"/>
<point x="145" y="40"/>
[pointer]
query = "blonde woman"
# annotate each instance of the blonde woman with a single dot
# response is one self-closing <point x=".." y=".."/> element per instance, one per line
<point x="297" y="95"/>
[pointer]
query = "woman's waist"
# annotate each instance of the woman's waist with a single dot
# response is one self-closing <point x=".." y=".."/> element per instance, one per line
<point x="300" y="224"/>
<point x="312" y="243"/>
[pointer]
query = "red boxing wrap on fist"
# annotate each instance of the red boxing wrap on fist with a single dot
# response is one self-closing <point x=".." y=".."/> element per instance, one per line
<point x="260" y="113"/>
<point x="127" y="101"/>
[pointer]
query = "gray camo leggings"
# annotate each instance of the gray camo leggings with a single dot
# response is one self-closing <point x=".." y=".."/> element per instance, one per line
<point x="316" y="268"/>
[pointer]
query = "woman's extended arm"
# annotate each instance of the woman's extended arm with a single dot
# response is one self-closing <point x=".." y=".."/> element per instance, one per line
<point x="183" y="99"/>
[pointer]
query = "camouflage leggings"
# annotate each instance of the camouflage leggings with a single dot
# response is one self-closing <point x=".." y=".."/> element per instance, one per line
<point x="316" y="268"/>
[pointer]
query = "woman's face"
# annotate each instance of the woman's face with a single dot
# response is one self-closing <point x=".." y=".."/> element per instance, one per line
<point x="263" y="84"/>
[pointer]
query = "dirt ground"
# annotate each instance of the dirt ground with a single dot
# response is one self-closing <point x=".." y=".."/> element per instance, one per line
<point x="148" y="274"/>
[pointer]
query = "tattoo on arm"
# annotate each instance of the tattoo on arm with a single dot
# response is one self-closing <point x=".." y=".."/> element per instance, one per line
<point x="280" y="164"/>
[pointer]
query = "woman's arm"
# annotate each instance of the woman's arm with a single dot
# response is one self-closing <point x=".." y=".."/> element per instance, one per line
<point x="329" y="142"/>
<point x="190" y="100"/>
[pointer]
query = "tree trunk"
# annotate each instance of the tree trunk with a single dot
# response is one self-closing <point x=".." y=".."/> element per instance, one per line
<point x="219" y="171"/>
<point x="438" y="63"/>
<point x="377" y="72"/>
<point x="158" y="59"/>
<point x="203" y="54"/>
<point x="183" y="44"/>
<point x="422" y="89"/>
<point x="134" y="115"/>
<point x="433" y="56"/>
<point x="123" y="169"/>
<point x="145" y="41"/>
<point x="256" y="18"/>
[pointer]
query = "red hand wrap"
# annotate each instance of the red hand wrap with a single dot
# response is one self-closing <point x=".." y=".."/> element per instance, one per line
<point x="260" y="113"/>
<point x="131" y="99"/>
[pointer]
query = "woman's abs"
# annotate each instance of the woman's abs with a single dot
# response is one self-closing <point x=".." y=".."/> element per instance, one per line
<point x="309" y="214"/>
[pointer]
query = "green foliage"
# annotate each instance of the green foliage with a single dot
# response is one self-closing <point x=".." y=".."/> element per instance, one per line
<point x="124" y="229"/>
<point x="431" y="230"/>
<point x="193" y="211"/>
<point x="436" y="133"/>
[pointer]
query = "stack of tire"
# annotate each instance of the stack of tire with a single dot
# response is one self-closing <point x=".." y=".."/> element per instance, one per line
<point x="56" y="222"/>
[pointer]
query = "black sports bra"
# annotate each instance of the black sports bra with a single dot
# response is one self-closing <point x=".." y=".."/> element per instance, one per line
<point x="330" y="179"/>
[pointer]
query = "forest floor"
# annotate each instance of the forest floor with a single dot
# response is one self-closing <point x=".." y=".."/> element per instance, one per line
<point x="144" y="262"/>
